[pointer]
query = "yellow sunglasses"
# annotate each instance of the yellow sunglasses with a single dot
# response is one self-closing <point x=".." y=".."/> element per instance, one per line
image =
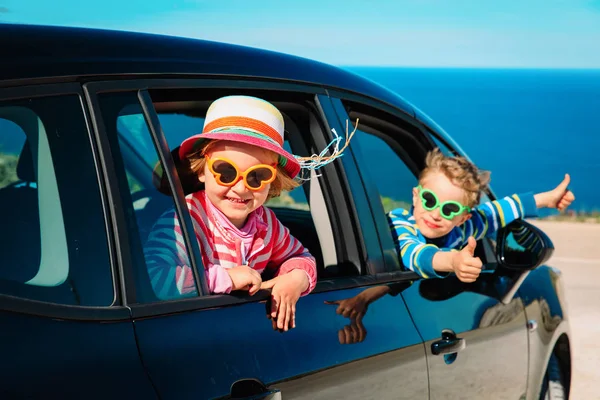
<point x="226" y="173"/>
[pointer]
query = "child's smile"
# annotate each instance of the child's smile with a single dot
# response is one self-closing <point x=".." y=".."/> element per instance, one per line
<point x="431" y="223"/>
<point x="236" y="201"/>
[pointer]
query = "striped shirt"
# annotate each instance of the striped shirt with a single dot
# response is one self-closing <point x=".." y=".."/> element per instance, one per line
<point x="263" y="244"/>
<point x="416" y="252"/>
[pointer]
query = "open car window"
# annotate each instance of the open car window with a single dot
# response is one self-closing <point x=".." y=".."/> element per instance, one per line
<point x="181" y="114"/>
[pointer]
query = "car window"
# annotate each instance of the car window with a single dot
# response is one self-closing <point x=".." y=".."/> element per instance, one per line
<point x="149" y="195"/>
<point x="390" y="153"/>
<point x="53" y="244"/>
<point x="394" y="180"/>
<point x="141" y="190"/>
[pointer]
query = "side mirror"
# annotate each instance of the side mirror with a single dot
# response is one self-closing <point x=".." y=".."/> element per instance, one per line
<point x="522" y="246"/>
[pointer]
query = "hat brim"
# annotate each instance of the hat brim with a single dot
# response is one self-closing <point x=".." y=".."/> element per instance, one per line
<point x="286" y="160"/>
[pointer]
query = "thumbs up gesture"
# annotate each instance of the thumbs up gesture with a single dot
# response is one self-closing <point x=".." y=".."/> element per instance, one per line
<point x="560" y="197"/>
<point x="465" y="265"/>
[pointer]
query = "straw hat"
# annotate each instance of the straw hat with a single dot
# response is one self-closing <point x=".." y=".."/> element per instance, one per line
<point x="244" y="119"/>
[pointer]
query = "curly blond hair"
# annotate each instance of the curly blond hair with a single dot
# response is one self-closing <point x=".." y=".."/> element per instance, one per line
<point x="282" y="181"/>
<point x="460" y="171"/>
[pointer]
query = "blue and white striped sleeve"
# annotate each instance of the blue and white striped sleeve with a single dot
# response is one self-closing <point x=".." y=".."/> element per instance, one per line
<point x="415" y="254"/>
<point x="488" y="217"/>
<point x="166" y="259"/>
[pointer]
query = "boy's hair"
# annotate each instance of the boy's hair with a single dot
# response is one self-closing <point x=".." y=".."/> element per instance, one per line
<point x="282" y="180"/>
<point x="460" y="171"/>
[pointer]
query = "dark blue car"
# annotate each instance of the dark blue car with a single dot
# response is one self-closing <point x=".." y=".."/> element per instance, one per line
<point x="86" y="117"/>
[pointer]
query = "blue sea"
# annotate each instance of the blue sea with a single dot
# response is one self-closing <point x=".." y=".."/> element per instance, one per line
<point x="529" y="127"/>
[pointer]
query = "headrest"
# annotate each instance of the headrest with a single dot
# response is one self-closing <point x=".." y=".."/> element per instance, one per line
<point x="25" y="166"/>
<point x="189" y="179"/>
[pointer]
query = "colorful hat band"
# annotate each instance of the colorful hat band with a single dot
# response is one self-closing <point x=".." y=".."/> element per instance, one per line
<point x="243" y="123"/>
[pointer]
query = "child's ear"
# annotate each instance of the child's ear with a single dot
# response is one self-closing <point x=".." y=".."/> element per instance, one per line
<point x="202" y="177"/>
<point x="415" y="196"/>
<point x="466" y="217"/>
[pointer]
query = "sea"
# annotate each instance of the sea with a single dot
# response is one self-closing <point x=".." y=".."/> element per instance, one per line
<point x="529" y="127"/>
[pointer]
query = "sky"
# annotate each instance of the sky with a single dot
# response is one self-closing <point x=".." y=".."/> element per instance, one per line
<point x="417" y="33"/>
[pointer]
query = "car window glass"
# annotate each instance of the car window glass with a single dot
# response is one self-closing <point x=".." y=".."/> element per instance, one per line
<point x="53" y="244"/>
<point x="390" y="153"/>
<point x="13" y="140"/>
<point x="155" y="280"/>
<point x="386" y="170"/>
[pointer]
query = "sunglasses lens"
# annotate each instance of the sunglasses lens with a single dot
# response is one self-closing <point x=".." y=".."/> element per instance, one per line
<point x="429" y="199"/>
<point x="226" y="170"/>
<point x="449" y="209"/>
<point x="256" y="177"/>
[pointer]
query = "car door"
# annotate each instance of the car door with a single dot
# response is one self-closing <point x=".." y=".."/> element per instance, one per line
<point x="213" y="346"/>
<point x="64" y="331"/>
<point x="475" y="334"/>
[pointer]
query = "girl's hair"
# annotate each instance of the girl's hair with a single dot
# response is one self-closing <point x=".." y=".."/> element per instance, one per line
<point x="282" y="180"/>
<point x="460" y="171"/>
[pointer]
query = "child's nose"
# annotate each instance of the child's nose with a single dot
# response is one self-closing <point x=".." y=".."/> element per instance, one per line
<point x="436" y="214"/>
<point x="240" y="187"/>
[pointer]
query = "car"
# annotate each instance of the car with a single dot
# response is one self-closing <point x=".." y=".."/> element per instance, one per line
<point x="90" y="124"/>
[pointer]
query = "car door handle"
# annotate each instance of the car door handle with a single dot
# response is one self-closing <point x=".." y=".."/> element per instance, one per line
<point x="253" y="389"/>
<point x="449" y="344"/>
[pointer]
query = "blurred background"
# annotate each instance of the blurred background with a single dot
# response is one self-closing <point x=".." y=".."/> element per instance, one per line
<point x="515" y="83"/>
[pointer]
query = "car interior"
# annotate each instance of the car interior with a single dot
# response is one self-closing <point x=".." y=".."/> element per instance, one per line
<point x="32" y="265"/>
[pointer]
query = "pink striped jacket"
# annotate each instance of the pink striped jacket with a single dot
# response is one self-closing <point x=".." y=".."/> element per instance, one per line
<point x="263" y="244"/>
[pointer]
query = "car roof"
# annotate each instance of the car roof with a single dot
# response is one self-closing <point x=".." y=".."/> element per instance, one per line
<point x="33" y="51"/>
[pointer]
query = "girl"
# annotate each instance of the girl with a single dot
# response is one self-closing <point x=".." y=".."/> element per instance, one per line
<point x="239" y="157"/>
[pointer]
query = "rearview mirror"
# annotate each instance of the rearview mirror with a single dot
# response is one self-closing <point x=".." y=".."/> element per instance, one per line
<point x="522" y="246"/>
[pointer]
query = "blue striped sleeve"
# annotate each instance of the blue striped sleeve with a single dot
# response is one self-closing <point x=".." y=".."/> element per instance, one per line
<point x="527" y="239"/>
<point x="414" y="253"/>
<point x="488" y="217"/>
<point x="164" y="251"/>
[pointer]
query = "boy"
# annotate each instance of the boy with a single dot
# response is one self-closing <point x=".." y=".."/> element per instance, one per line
<point x="443" y="219"/>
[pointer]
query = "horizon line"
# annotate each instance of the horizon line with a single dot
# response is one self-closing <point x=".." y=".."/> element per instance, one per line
<point x="562" y="68"/>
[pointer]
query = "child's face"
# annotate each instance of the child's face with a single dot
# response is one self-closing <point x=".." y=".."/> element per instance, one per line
<point x="236" y="201"/>
<point x="431" y="223"/>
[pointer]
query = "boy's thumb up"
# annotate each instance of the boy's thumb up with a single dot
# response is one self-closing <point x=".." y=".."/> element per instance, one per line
<point x="562" y="187"/>
<point x="470" y="247"/>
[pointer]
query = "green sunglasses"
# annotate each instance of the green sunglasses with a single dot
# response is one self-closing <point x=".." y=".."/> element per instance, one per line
<point x="448" y="209"/>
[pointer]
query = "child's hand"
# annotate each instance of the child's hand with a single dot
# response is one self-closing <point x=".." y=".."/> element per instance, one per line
<point x="244" y="278"/>
<point x="357" y="305"/>
<point x="355" y="332"/>
<point x="560" y="197"/>
<point x="284" y="296"/>
<point x="351" y="307"/>
<point x="467" y="267"/>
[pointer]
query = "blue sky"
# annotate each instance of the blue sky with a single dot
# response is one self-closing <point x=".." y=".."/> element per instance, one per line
<point x="434" y="33"/>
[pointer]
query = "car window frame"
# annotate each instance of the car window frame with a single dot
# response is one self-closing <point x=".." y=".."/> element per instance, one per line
<point x="389" y="264"/>
<point x="431" y="132"/>
<point x="112" y="312"/>
<point x="336" y="185"/>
